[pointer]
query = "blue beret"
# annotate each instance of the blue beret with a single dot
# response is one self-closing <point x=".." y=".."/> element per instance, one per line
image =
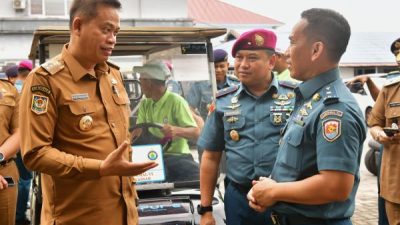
<point x="220" y="55"/>
<point x="12" y="71"/>
<point x="255" y="40"/>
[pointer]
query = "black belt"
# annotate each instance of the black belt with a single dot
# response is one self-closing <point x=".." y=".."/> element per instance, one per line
<point x="279" y="219"/>
<point x="5" y="162"/>
<point x="244" y="189"/>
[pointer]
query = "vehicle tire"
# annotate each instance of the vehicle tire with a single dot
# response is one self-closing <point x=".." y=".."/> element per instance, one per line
<point x="36" y="200"/>
<point x="371" y="161"/>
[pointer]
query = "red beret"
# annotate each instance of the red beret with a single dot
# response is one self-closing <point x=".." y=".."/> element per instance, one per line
<point x="255" y="40"/>
<point x="27" y="64"/>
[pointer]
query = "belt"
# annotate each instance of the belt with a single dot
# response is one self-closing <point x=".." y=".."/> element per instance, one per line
<point x="279" y="219"/>
<point x="244" y="189"/>
<point x="5" y="162"/>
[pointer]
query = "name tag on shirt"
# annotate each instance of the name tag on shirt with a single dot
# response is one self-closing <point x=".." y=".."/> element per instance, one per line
<point x="145" y="153"/>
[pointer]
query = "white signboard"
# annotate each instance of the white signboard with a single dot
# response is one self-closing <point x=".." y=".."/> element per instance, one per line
<point x="145" y="153"/>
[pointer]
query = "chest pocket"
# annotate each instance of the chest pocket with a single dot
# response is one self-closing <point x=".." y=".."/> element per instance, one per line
<point x="8" y="99"/>
<point x="392" y="115"/>
<point x="82" y="107"/>
<point x="293" y="152"/>
<point x="234" y="122"/>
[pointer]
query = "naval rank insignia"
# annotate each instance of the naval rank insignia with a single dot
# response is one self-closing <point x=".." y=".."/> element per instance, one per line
<point x="39" y="104"/>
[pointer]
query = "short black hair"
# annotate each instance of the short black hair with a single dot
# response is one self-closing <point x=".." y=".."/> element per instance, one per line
<point x="330" y="27"/>
<point x="88" y="8"/>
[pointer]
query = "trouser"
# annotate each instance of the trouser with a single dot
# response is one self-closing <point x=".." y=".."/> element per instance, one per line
<point x="238" y="211"/>
<point x="280" y="219"/>
<point x="24" y="186"/>
<point x="393" y="212"/>
<point x="8" y="197"/>
<point x="382" y="218"/>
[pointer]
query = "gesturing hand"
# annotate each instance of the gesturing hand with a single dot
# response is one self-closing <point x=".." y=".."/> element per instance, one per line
<point x="116" y="165"/>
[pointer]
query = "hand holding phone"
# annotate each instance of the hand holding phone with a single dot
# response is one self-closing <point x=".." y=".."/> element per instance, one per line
<point x="10" y="181"/>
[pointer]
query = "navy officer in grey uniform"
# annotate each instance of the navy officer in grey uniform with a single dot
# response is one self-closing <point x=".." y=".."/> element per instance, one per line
<point x="316" y="174"/>
<point x="245" y="122"/>
<point x="200" y="94"/>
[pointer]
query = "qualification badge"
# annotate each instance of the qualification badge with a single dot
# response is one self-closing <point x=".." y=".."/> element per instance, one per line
<point x="234" y="135"/>
<point x="86" y="123"/>
<point x="277" y="118"/>
<point x="39" y="104"/>
<point x="316" y="97"/>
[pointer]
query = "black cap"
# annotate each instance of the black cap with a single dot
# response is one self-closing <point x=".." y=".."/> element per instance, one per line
<point x="395" y="46"/>
<point x="220" y="55"/>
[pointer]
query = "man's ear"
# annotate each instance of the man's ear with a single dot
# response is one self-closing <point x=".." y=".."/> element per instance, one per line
<point x="76" y="26"/>
<point x="272" y="61"/>
<point x="317" y="50"/>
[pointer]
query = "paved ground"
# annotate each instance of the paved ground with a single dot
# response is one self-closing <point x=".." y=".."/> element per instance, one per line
<point x="366" y="200"/>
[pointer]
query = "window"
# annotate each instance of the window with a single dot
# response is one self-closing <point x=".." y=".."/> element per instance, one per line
<point x="50" y="7"/>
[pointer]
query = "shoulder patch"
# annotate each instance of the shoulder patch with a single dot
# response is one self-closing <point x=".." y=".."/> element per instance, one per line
<point x="332" y="129"/>
<point x="330" y="95"/>
<point x="226" y="91"/>
<point x="53" y="66"/>
<point x="39" y="104"/>
<point x="331" y="112"/>
<point x="392" y="81"/>
<point x="288" y="84"/>
<point x="112" y="65"/>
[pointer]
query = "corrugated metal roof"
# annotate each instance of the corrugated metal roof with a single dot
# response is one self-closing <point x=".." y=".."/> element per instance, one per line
<point x="364" y="48"/>
<point x="216" y="12"/>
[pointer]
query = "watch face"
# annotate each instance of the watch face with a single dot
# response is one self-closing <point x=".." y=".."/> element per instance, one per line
<point x="1" y="157"/>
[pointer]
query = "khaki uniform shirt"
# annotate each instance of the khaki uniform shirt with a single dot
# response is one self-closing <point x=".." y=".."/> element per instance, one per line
<point x="385" y="112"/>
<point x="8" y="125"/>
<point x="58" y="102"/>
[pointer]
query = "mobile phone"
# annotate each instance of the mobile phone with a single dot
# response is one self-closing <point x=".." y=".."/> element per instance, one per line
<point x="10" y="181"/>
<point x="390" y="131"/>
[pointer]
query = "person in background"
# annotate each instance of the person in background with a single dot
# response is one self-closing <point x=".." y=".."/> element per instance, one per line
<point x="9" y="146"/>
<point x="12" y="73"/>
<point x="25" y="176"/>
<point x="281" y="68"/>
<point x="384" y="114"/>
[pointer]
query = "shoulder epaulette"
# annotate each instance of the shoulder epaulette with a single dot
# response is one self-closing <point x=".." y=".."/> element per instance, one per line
<point x="392" y="81"/>
<point x="232" y="77"/>
<point x="52" y="66"/>
<point x="112" y="65"/>
<point x="288" y="84"/>
<point x="226" y="91"/>
<point x="330" y="95"/>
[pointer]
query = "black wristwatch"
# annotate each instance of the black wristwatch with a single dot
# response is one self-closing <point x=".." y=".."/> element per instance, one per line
<point x="203" y="209"/>
<point x="1" y="157"/>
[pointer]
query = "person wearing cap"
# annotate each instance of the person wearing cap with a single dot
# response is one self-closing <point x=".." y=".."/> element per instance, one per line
<point x="281" y="66"/>
<point x="385" y="113"/>
<point x="12" y="73"/>
<point x="245" y="122"/>
<point x="9" y="146"/>
<point x="200" y="93"/>
<point x="25" y="176"/>
<point x="171" y="111"/>
<point x="74" y="120"/>
<point x="316" y="174"/>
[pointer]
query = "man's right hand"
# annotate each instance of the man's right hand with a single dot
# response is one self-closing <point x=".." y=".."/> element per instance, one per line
<point x="3" y="183"/>
<point x="207" y="219"/>
<point x="116" y="165"/>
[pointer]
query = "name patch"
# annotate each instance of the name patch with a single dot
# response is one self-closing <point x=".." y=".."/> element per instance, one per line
<point x="41" y="88"/>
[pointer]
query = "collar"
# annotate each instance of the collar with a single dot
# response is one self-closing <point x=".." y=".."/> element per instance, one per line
<point x="273" y="86"/>
<point x="76" y="69"/>
<point x="309" y="87"/>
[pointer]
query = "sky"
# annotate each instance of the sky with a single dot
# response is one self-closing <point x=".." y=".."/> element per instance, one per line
<point x="363" y="15"/>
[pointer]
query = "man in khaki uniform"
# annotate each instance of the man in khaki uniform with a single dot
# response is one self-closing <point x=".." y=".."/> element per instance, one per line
<point x="386" y="113"/>
<point x="74" y="117"/>
<point x="9" y="145"/>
